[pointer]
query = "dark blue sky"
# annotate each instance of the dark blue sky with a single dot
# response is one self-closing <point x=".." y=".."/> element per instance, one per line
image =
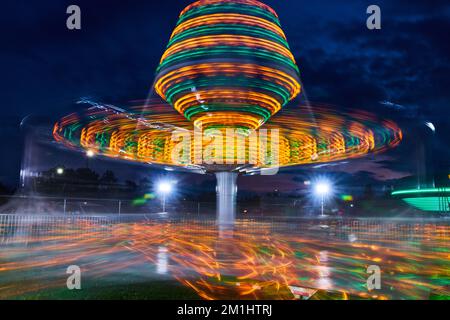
<point x="45" y="67"/>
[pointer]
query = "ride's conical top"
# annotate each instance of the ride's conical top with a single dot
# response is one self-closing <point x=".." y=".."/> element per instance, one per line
<point x="228" y="64"/>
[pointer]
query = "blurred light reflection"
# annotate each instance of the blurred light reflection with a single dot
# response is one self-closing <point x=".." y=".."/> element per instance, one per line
<point x="256" y="260"/>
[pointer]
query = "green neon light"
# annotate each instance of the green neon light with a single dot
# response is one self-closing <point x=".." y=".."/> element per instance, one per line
<point x="225" y="28"/>
<point x="192" y="111"/>
<point x="420" y="191"/>
<point x="439" y="204"/>
<point x="224" y="82"/>
<point x="221" y="51"/>
<point x="347" y="197"/>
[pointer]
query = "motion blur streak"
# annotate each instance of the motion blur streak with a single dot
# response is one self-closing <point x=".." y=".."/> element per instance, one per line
<point x="256" y="260"/>
<point x="144" y="134"/>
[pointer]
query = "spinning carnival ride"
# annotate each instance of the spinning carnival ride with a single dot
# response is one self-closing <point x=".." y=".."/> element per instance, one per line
<point x="225" y="75"/>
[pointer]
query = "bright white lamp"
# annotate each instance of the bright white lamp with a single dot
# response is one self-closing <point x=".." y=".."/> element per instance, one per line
<point x="164" y="187"/>
<point x="322" y="189"/>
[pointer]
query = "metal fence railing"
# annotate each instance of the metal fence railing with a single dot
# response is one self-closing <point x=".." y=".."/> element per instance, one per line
<point x="32" y="226"/>
<point x="279" y="207"/>
<point x="32" y="204"/>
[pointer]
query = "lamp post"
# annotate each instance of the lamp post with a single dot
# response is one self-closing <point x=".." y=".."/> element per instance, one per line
<point x="164" y="188"/>
<point x="322" y="189"/>
<point x="89" y="154"/>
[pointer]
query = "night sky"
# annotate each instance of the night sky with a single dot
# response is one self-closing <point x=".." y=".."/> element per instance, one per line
<point x="401" y="71"/>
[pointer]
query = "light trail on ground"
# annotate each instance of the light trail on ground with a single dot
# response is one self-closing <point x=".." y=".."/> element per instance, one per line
<point x="234" y="264"/>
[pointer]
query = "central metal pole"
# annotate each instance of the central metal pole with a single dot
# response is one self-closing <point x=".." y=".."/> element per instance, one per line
<point x="226" y="197"/>
<point x="322" y="204"/>
<point x="164" y="203"/>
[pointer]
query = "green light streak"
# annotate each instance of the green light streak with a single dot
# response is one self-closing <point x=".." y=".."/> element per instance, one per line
<point x="429" y="203"/>
<point x="261" y="85"/>
<point x="192" y="111"/>
<point x="226" y="28"/>
<point x="420" y="191"/>
<point x="228" y="52"/>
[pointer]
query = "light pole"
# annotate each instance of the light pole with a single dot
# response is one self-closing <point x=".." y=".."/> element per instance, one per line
<point x="89" y="154"/>
<point x="322" y="206"/>
<point x="322" y="189"/>
<point x="164" y="188"/>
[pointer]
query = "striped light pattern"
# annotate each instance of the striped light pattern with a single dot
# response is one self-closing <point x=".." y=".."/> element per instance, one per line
<point x="427" y="199"/>
<point x="145" y="134"/>
<point x="228" y="64"/>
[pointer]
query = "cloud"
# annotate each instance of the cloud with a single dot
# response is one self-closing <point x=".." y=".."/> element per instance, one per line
<point x="379" y="168"/>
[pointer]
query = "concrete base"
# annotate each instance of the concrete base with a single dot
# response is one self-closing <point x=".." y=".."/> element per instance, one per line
<point x="226" y="197"/>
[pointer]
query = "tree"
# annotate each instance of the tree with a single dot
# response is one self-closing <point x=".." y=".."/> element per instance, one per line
<point x="131" y="185"/>
<point x="108" y="178"/>
<point x="86" y="175"/>
<point x="3" y="189"/>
